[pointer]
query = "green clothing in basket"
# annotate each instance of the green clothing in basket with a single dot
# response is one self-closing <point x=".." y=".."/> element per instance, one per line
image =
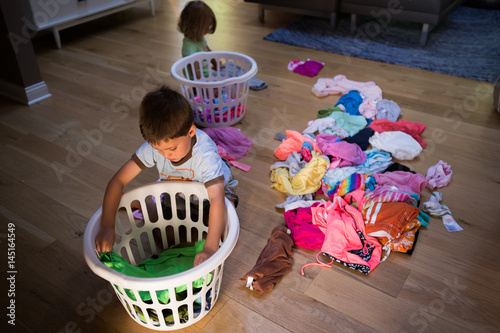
<point x="175" y="260"/>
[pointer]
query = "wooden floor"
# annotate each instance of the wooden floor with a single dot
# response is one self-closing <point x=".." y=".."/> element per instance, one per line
<point x="56" y="161"/>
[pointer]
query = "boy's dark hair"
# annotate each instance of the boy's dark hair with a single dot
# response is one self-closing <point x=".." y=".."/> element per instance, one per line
<point x="194" y="17"/>
<point x="164" y="115"/>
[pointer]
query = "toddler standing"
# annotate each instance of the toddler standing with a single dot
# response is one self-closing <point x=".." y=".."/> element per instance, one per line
<point x="196" y="21"/>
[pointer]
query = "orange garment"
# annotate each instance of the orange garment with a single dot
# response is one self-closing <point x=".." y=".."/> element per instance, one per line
<point x="394" y="224"/>
<point x="293" y="142"/>
<point x="407" y="239"/>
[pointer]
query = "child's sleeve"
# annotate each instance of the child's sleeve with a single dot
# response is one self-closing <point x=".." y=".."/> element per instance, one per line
<point x="212" y="168"/>
<point x="144" y="157"/>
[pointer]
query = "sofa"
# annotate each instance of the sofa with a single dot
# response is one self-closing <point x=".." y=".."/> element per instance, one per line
<point x="429" y="13"/>
<point x="318" y="8"/>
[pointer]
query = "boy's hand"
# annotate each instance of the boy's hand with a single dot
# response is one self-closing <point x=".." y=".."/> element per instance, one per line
<point x="105" y="239"/>
<point x="203" y="256"/>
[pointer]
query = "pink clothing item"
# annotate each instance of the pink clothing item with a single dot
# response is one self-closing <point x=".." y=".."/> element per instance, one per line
<point x="403" y="180"/>
<point x="306" y="154"/>
<point x="309" y="68"/>
<point x="341" y="85"/>
<point x="387" y="193"/>
<point x="293" y="142"/>
<point x="303" y="232"/>
<point x="412" y="128"/>
<point x="231" y="139"/>
<point x="438" y="175"/>
<point x="342" y="153"/>
<point x="232" y="161"/>
<point x="368" y="109"/>
<point x="346" y="240"/>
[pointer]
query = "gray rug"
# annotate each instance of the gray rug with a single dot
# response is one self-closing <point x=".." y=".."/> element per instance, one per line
<point x="468" y="45"/>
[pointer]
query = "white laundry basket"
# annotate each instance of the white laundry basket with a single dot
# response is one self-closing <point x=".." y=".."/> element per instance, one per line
<point x="181" y="218"/>
<point x="219" y="95"/>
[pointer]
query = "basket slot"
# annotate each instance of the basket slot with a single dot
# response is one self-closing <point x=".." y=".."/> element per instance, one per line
<point x="134" y="254"/>
<point x="127" y="306"/>
<point x="153" y="317"/>
<point x="168" y="313"/>
<point x="166" y="207"/>
<point x="124" y="252"/>
<point x="181" y="313"/>
<point x="122" y="222"/>
<point x="140" y="314"/>
<point x="179" y="206"/>
<point x="168" y="236"/>
<point x="157" y="241"/>
<point x="152" y="208"/>
<point x="148" y="243"/>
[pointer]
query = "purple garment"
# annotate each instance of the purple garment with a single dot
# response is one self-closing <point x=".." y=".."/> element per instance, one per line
<point x="342" y="153"/>
<point x="309" y="68"/>
<point x="303" y="232"/>
<point x="404" y="181"/>
<point x="231" y="139"/>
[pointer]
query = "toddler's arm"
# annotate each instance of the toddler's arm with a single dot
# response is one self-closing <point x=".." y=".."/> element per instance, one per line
<point x="216" y="222"/>
<point x="105" y="238"/>
<point x="213" y="61"/>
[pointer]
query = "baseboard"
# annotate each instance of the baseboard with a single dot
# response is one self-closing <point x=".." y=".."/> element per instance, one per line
<point x="496" y="94"/>
<point x="26" y="95"/>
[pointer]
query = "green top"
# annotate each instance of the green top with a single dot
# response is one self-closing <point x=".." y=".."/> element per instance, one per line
<point x="175" y="260"/>
<point x="189" y="47"/>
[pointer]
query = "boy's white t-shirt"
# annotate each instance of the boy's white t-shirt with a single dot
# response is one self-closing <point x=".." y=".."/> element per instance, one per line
<point x="202" y="164"/>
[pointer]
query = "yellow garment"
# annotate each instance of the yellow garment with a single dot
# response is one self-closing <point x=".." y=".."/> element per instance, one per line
<point x="307" y="180"/>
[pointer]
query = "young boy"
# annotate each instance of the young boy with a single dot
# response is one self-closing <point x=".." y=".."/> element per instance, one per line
<point x="180" y="151"/>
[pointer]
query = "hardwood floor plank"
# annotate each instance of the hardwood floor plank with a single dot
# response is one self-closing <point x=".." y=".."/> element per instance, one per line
<point x="392" y="315"/>
<point x="29" y="238"/>
<point x="455" y="299"/>
<point x="238" y="318"/>
<point x="41" y="304"/>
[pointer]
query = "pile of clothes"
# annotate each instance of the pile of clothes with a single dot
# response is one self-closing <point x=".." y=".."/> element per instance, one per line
<point x="369" y="203"/>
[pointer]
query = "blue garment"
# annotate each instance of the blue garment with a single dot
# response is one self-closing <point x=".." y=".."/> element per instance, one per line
<point x="255" y="84"/>
<point x="351" y="102"/>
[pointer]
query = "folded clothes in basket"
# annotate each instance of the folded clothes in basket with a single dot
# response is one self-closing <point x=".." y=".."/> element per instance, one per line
<point x="175" y="260"/>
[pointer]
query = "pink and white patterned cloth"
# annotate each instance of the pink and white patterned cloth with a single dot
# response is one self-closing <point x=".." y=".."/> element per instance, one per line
<point x="438" y="175"/>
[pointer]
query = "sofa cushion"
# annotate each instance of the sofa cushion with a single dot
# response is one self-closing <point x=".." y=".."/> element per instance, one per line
<point x="319" y="5"/>
<point x="429" y="6"/>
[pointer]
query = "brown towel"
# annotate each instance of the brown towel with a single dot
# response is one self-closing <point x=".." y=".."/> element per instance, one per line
<point x="273" y="263"/>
